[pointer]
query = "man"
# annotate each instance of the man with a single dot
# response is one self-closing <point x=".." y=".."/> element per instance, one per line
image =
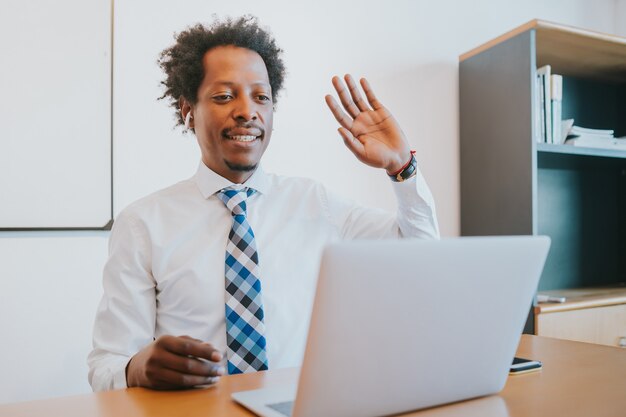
<point x="216" y="274"/>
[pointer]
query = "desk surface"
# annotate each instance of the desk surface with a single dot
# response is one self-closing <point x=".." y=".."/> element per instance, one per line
<point x="577" y="379"/>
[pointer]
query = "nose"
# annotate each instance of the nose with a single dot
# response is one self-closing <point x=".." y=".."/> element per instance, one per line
<point x="245" y="109"/>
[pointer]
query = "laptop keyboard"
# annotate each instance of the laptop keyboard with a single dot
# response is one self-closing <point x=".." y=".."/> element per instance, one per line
<point x="284" y="408"/>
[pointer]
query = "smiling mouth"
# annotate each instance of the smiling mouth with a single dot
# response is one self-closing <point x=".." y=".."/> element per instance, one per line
<point x="243" y="134"/>
<point x="243" y="138"/>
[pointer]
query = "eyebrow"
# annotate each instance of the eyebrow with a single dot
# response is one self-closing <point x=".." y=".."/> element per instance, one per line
<point x="230" y="83"/>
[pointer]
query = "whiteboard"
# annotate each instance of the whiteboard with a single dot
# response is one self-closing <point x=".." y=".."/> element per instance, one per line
<point x="55" y="114"/>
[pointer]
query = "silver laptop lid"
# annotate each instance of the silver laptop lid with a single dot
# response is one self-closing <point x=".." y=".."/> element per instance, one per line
<point x="407" y="324"/>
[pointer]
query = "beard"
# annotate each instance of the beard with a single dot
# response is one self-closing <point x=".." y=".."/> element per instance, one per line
<point x="240" y="167"/>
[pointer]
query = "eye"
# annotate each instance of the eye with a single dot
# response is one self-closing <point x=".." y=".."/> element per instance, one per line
<point x="263" y="97"/>
<point x="222" y="97"/>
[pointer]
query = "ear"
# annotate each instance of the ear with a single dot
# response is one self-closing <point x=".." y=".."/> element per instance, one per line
<point x="186" y="109"/>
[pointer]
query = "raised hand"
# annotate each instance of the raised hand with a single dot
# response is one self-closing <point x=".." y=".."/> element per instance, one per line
<point x="368" y="129"/>
<point x="174" y="362"/>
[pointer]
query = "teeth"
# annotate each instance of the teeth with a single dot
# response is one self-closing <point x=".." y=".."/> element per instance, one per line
<point x="247" y="138"/>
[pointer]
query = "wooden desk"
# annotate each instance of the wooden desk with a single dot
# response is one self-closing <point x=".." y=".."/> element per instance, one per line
<point x="578" y="379"/>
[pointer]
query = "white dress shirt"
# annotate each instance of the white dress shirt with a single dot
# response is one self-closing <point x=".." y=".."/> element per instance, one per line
<point x="165" y="272"/>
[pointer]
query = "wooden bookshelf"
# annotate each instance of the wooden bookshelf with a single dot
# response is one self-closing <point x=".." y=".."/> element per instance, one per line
<point x="513" y="185"/>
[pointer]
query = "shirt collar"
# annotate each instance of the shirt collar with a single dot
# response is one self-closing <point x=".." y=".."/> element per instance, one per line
<point x="209" y="182"/>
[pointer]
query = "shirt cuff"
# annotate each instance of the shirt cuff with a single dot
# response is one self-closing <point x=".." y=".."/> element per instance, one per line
<point x="416" y="208"/>
<point x="119" y="376"/>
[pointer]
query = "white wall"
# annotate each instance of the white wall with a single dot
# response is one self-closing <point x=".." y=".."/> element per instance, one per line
<point x="620" y="17"/>
<point x="50" y="282"/>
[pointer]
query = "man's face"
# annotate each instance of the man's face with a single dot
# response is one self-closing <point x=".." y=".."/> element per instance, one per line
<point x="233" y="117"/>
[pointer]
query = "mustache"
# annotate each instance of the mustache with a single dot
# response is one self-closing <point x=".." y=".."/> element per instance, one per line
<point x="257" y="129"/>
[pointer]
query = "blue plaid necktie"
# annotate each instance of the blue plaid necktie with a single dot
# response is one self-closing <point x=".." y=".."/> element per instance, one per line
<point x="245" y="329"/>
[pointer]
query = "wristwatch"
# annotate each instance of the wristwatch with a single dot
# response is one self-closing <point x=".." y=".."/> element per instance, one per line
<point x="407" y="171"/>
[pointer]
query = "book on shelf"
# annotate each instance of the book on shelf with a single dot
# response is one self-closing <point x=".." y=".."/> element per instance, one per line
<point x="566" y="127"/>
<point x="544" y="73"/>
<point x="556" y="99"/>
<point x="618" y="144"/>
<point x="549" y="126"/>
<point x="540" y="128"/>
<point x="592" y="138"/>
<point x="579" y="131"/>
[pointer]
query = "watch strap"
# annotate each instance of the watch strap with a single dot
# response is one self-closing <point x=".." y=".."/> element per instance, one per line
<point x="408" y="171"/>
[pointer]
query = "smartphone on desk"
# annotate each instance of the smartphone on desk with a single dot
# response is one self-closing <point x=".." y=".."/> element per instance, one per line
<point x="522" y="366"/>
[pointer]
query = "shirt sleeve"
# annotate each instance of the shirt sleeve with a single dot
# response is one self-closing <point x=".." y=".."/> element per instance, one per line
<point x="125" y="319"/>
<point x="415" y="216"/>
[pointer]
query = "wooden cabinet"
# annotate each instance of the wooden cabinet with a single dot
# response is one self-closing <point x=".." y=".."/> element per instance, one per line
<point x="595" y="315"/>
<point x="511" y="184"/>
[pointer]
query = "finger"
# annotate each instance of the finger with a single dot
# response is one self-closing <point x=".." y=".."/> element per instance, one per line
<point x="355" y="146"/>
<point x="344" y="97"/>
<point x="187" y="346"/>
<point x="191" y="338"/>
<point x="190" y="365"/>
<point x="356" y="95"/>
<point x="169" y="379"/>
<point x="369" y="93"/>
<point x="340" y="116"/>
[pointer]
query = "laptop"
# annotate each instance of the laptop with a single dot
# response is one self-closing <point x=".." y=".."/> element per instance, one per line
<point x="400" y="325"/>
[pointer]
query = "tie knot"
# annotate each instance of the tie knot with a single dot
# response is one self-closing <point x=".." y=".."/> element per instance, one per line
<point x="234" y="197"/>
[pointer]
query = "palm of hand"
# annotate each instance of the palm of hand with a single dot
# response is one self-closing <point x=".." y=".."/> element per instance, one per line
<point x="368" y="129"/>
<point x="380" y="135"/>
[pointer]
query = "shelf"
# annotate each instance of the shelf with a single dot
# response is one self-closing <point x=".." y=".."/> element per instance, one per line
<point x="571" y="51"/>
<point x="579" y="150"/>
<point x="581" y="53"/>
<point x="577" y="298"/>
<point x="512" y="185"/>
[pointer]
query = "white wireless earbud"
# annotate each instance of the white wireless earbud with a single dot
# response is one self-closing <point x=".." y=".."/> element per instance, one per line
<point x="187" y="119"/>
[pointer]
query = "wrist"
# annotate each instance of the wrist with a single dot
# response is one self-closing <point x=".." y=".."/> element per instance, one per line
<point x="133" y="373"/>
<point x="407" y="171"/>
<point x="129" y="376"/>
<point x="399" y="164"/>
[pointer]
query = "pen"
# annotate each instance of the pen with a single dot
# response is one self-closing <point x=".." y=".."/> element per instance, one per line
<point x="541" y="298"/>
